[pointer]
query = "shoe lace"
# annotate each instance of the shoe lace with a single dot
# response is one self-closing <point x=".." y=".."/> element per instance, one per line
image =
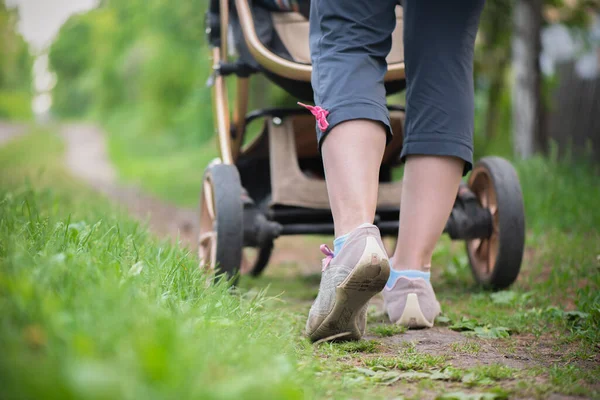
<point x="329" y="256"/>
<point x="320" y="115"/>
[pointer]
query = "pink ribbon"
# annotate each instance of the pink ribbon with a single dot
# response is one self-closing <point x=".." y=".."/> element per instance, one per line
<point x="320" y="115"/>
<point x="329" y="253"/>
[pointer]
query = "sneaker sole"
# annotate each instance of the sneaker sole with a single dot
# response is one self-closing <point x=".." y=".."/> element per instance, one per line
<point x="413" y="317"/>
<point x="366" y="280"/>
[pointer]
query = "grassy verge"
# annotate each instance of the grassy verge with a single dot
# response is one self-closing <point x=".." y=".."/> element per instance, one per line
<point x="15" y="105"/>
<point x="163" y="165"/>
<point x="93" y="307"/>
<point x="170" y="162"/>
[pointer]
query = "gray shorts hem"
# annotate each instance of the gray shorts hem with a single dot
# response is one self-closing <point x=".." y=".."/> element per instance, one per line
<point x="439" y="146"/>
<point x="356" y="111"/>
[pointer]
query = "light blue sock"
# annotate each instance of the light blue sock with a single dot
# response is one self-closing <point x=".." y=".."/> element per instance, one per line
<point x="338" y="243"/>
<point x="409" y="273"/>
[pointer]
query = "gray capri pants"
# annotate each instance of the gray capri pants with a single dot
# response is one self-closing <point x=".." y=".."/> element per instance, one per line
<point x="349" y="41"/>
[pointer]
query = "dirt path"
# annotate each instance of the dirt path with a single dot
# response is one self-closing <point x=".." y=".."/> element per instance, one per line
<point x="9" y="131"/>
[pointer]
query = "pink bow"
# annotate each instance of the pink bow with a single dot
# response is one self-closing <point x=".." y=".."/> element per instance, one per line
<point x="329" y="253"/>
<point x="320" y="115"/>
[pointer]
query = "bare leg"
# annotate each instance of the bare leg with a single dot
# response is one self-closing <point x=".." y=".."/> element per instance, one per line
<point x="352" y="154"/>
<point x="437" y="143"/>
<point x="428" y="192"/>
<point x="359" y="268"/>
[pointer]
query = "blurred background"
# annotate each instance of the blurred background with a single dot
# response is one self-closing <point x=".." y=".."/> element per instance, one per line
<point x="139" y="69"/>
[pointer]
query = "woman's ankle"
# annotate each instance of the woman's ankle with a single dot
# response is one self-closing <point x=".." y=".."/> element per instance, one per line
<point x="403" y="265"/>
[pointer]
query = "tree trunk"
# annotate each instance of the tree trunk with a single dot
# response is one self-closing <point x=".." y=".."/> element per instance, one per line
<point x="526" y="94"/>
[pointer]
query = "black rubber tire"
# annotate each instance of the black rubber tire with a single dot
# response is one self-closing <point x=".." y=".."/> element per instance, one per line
<point x="264" y="252"/>
<point x="262" y="260"/>
<point x="510" y="224"/>
<point x="228" y="224"/>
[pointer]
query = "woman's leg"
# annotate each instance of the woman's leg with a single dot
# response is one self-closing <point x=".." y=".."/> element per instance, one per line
<point x="428" y="192"/>
<point x="352" y="156"/>
<point x="349" y="42"/>
<point x="439" y="38"/>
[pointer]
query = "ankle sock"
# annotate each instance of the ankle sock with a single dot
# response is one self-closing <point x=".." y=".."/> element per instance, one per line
<point x="408" y="273"/>
<point x="339" y="241"/>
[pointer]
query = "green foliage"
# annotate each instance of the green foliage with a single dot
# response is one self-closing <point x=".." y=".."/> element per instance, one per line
<point x="15" y="68"/>
<point x="143" y="59"/>
<point x="560" y="194"/>
<point x="493" y="104"/>
<point x="158" y="163"/>
<point x="15" y="105"/>
<point x="410" y="360"/>
<point x="388" y="330"/>
<point x="472" y="327"/>
<point x="570" y="378"/>
<point x="70" y="59"/>
<point x="468" y="347"/>
<point x="361" y="346"/>
<point x="473" y="396"/>
<point x="140" y="67"/>
<point x="505" y="297"/>
<point x="477" y="376"/>
<point x="93" y="307"/>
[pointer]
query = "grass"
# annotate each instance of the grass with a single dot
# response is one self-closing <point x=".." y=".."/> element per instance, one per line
<point x="561" y="257"/>
<point x="15" y="105"/>
<point x="571" y="379"/>
<point x="469" y="347"/>
<point x="93" y="307"/>
<point x="169" y="162"/>
<point x="361" y="346"/>
<point x="408" y="362"/>
<point x="141" y="161"/>
<point x="388" y="330"/>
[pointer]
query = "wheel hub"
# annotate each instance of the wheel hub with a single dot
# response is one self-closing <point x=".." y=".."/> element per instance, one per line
<point x="484" y="250"/>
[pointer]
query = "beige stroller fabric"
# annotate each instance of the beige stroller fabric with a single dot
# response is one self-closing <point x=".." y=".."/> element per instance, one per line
<point x="291" y="187"/>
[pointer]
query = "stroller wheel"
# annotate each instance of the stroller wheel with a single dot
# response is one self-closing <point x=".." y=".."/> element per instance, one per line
<point x="496" y="261"/>
<point x="255" y="260"/>
<point x="221" y="219"/>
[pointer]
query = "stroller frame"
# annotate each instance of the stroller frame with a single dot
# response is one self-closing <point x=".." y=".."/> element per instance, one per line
<point x="236" y="207"/>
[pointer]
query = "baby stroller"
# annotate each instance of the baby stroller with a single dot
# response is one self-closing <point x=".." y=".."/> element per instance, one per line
<point x="274" y="185"/>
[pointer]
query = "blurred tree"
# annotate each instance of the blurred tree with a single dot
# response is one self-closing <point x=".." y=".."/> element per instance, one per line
<point x="526" y="100"/>
<point x="140" y="60"/>
<point x="573" y="120"/>
<point x="529" y="89"/>
<point x="72" y="56"/>
<point x="15" y="67"/>
<point x="143" y="63"/>
<point x="493" y="58"/>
